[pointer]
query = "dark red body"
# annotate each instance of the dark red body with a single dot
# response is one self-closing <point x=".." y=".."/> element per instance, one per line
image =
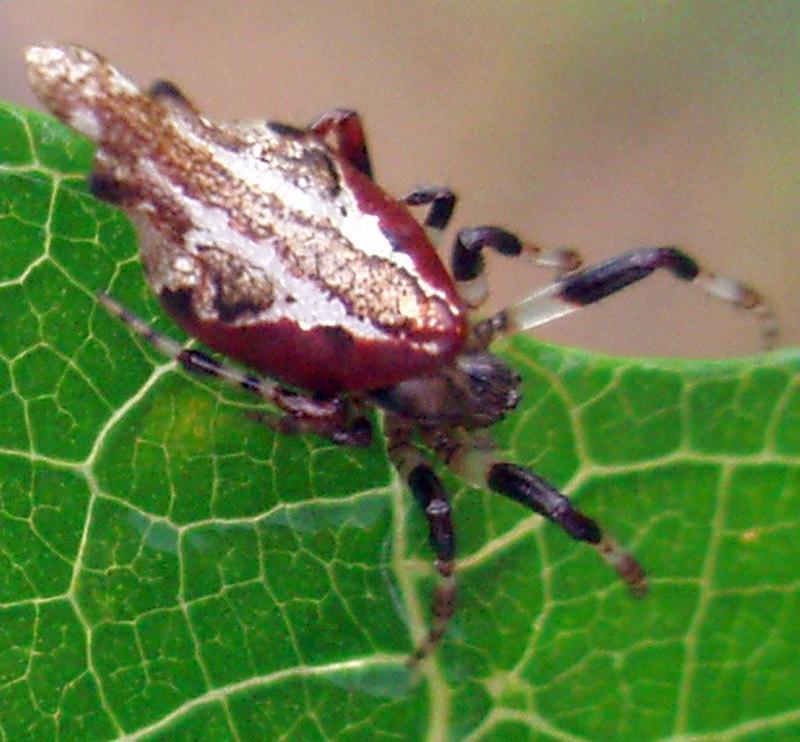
<point x="329" y="359"/>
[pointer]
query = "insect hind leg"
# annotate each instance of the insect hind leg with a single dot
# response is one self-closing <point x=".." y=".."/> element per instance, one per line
<point x="467" y="263"/>
<point x="431" y="496"/>
<point x="590" y="285"/>
<point x="331" y="418"/>
<point x="441" y="203"/>
<point x="536" y="493"/>
<point x="472" y="456"/>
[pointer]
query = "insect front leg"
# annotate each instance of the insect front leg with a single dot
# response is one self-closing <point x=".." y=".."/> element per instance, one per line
<point x="442" y="202"/>
<point x="537" y="494"/>
<point x="577" y="290"/>
<point x="467" y="263"/>
<point x="342" y="129"/>
<point x="431" y="496"/>
<point x="472" y="456"/>
<point x="333" y="418"/>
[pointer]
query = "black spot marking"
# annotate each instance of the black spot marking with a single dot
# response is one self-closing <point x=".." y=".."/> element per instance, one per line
<point x="178" y="303"/>
<point x="109" y="189"/>
<point x="230" y="310"/>
<point x="395" y="240"/>
<point x="339" y="338"/>
<point x="286" y="130"/>
<point x="334" y="175"/>
<point x="358" y="435"/>
<point x="319" y="161"/>
<point x="167" y="89"/>
<point x="251" y="383"/>
<point x="198" y="363"/>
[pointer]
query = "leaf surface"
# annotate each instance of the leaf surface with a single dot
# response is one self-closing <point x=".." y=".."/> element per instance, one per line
<point x="170" y="568"/>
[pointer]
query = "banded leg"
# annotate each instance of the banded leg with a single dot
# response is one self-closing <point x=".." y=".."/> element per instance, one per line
<point x="467" y="262"/>
<point x="442" y="203"/>
<point x="349" y="139"/>
<point x="432" y="498"/>
<point x="472" y="457"/>
<point x="330" y="418"/>
<point x="577" y="290"/>
<point x="537" y="494"/>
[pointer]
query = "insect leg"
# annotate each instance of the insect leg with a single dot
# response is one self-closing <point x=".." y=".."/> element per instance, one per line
<point x="467" y="262"/>
<point x="537" y="494"/>
<point x="347" y="132"/>
<point x="432" y="498"/>
<point x="472" y="457"/>
<point x="577" y="290"/>
<point x="442" y="203"/>
<point x="331" y="417"/>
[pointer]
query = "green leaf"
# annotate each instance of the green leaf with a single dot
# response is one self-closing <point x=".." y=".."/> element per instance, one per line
<point x="168" y="567"/>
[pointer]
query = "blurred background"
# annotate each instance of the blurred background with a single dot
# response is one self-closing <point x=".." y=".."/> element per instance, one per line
<point x="596" y="124"/>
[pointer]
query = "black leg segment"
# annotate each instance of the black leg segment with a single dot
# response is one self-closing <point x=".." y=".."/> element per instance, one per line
<point x="578" y="289"/>
<point x="442" y="204"/>
<point x="536" y="493"/>
<point x="613" y="275"/>
<point x="467" y="260"/>
<point x="432" y="498"/>
<point x="335" y="418"/>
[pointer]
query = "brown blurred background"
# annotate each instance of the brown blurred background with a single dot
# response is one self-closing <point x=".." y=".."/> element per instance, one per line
<point x="590" y="123"/>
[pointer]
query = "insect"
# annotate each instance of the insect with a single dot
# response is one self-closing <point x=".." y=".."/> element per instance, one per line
<point x="274" y="246"/>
